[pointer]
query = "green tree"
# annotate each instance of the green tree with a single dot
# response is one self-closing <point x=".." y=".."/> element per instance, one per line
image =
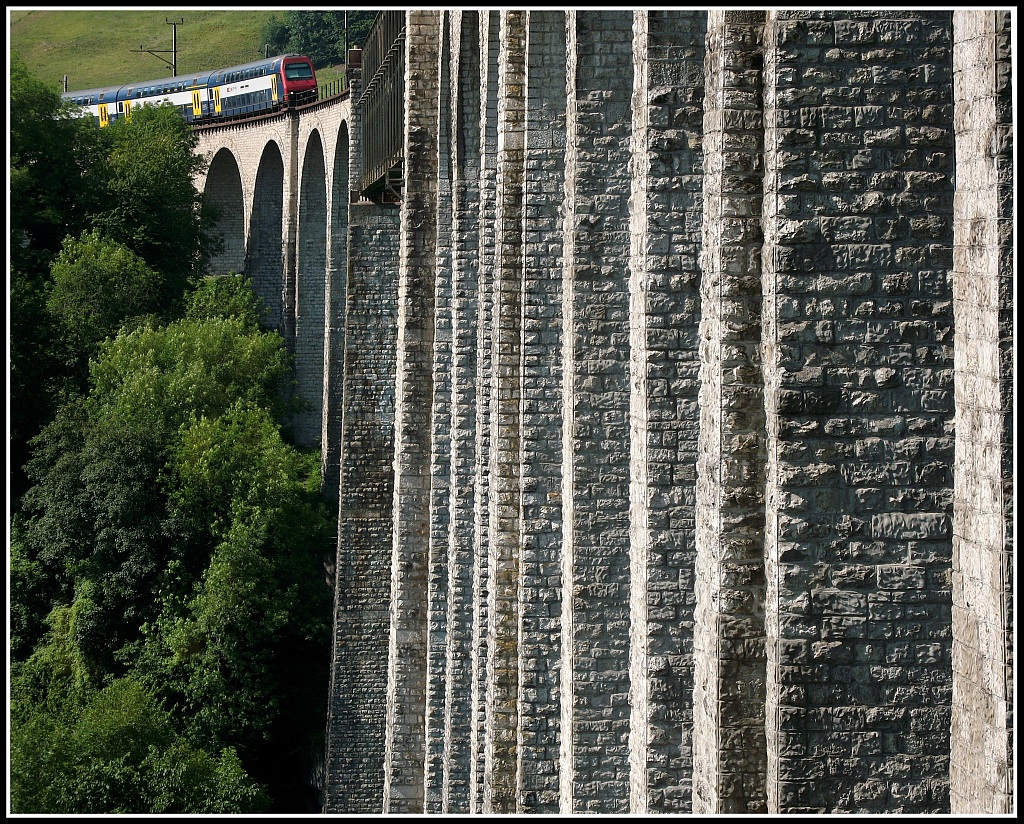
<point x="95" y="509"/>
<point x="227" y="296"/>
<point x="274" y="35"/>
<point x="55" y="165"/>
<point x="120" y="753"/>
<point x="98" y="284"/>
<point x="32" y="593"/>
<point x="318" y="34"/>
<point x="54" y="185"/>
<point x="153" y="207"/>
<point x="247" y="494"/>
<point x="134" y="182"/>
<point x="182" y="539"/>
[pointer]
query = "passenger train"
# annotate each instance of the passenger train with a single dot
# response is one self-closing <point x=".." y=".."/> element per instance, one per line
<point x="252" y="88"/>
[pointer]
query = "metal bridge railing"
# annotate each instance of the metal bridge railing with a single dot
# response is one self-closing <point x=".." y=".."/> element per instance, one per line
<point x="332" y="88"/>
<point x="383" y="99"/>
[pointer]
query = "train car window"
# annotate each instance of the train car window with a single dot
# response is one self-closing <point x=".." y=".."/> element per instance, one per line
<point x="120" y="106"/>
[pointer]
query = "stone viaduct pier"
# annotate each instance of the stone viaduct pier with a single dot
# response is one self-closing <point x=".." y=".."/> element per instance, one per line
<point x="662" y="366"/>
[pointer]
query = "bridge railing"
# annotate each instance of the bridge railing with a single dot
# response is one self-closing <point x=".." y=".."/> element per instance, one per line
<point x="332" y="88"/>
<point x="383" y="99"/>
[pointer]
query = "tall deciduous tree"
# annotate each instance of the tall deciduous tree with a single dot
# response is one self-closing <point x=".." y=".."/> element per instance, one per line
<point x="184" y="539"/>
<point x="98" y="284"/>
<point x="153" y="206"/>
<point x="320" y="35"/>
<point x="133" y="181"/>
<point x="120" y="753"/>
<point x="54" y="180"/>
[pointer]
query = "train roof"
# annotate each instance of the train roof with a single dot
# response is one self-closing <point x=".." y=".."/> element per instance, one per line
<point x="187" y="78"/>
<point x="257" y="64"/>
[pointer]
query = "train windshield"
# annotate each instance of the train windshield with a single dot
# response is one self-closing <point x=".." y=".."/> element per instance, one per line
<point x="298" y="71"/>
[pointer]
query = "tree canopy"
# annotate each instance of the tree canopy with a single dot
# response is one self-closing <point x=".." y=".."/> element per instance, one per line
<point x="169" y="616"/>
<point x="127" y="190"/>
<point x="171" y="536"/>
<point x="321" y="35"/>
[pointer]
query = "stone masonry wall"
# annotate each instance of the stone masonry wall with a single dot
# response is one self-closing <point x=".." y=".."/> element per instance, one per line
<point x="355" y="727"/>
<point x="465" y="185"/>
<point x="665" y="241"/>
<point x="729" y="636"/>
<point x="440" y="444"/>
<point x="310" y="294"/>
<point x="505" y="400"/>
<point x="596" y="399"/>
<point x="264" y="260"/>
<point x="676" y="455"/>
<point x="488" y="141"/>
<point x="981" y="768"/>
<point x="858" y="393"/>
<point x="541" y="387"/>
<point x="407" y="647"/>
<point x="334" y="321"/>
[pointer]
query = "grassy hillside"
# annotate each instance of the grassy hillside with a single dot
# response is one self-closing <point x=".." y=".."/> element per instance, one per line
<point x="100" y="48"/>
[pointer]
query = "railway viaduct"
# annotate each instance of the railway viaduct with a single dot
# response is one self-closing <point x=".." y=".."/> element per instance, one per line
<point x="661" y="362"/>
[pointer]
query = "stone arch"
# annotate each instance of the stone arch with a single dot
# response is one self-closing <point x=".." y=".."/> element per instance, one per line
<point x="264" y="257"/>
<point x="337" y="278"/>
<point x="223" y="192"/>
<point x="311" y="290"/>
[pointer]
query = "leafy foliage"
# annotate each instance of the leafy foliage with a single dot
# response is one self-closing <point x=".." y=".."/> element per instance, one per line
<point x="318" y="34"/>
<point x="54" y="173"/>
<point x="120" y="754"/>
<point x="131" y="182"/>
<point x="98" y="284"/>
<point x="179" y="534"/>
<point x="227" y="296"/>
<point x="153" y="206"/>
<point x="247" y="494"/>
<point x="31" y="592"/>
<point x="53" y="183"/>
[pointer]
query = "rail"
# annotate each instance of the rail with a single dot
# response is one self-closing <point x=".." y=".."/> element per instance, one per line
<point x="382" y="101"/>
<point x="332" y="88"/>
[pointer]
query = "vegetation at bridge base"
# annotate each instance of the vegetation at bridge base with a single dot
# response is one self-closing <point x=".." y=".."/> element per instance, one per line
<point x="169" y="620"/>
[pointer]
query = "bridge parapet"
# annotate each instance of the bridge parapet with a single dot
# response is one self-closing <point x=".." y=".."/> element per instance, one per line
<point x="383" y="99"/>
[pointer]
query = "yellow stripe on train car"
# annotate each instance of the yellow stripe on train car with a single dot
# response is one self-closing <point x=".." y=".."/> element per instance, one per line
<point x="104" y="117"/>
<point x="197" y="104"/>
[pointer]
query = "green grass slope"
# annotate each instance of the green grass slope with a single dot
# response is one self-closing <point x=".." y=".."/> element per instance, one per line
<point x="100" y="48"/>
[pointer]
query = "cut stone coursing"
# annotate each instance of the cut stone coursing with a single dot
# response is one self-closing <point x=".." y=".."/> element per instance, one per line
<point x="590" y="560"/>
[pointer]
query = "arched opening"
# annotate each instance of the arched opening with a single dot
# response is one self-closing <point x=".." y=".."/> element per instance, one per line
<point x="334" y="356"/>
<point x="223" y="193"/>
<point x="265" y="256"/>
<point x="311" y="289"/>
